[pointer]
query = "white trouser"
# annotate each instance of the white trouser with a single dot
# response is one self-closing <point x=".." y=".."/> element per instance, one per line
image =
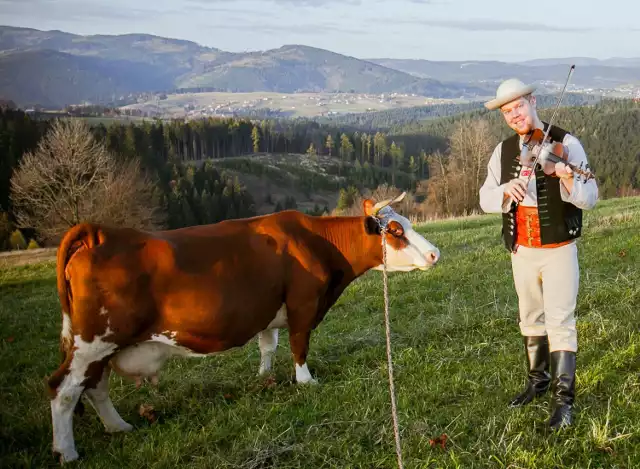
<point x="546" y="281"/>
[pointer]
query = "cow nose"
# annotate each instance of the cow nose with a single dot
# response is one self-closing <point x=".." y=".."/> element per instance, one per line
<point x="433" y="257"/>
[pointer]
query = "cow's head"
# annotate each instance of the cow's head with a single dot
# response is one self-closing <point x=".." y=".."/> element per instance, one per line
<point x="406" y="249"/>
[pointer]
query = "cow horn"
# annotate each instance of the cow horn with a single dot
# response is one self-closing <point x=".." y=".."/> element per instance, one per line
<point x="399" y="198"/>
<point x="380" y="205"/>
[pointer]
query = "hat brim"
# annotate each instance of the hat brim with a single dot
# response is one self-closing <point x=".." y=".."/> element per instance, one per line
<point x="499" y="102"/>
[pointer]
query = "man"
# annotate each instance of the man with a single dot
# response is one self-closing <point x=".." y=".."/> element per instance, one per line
<point x="540" y="222"/>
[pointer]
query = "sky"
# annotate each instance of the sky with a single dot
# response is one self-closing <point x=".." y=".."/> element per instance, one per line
<point x="410" y="29"/>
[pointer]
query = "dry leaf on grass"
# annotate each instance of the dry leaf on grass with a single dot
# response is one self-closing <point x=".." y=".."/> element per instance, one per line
<point x="148" y="412"/>
<point x="440" y="441"/>
<point x="270" y="382"/>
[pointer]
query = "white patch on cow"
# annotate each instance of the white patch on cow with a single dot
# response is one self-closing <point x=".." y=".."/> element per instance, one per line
<point x="66" y="328"/>
<point x="268" y="341"/>
<point x="280" y="321"/>
<point x="163" y="339"/>
<point x="103" y="311"/>
<point x="70" y="389"/>
<point x="174" y="347"/>
<point x="303" y="375"/>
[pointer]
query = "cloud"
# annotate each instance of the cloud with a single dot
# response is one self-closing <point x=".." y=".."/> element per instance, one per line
<point x="300" y="3"/>
<point x="484" y="24"/>
<point x="79" y="10"/>
<point x="306" y="29"/>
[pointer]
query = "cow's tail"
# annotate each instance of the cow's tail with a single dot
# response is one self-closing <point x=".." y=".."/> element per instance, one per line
<point x="82" y="236"/>
<point x="77" y="238"/>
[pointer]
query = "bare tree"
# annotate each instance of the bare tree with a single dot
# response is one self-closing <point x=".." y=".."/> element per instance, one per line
<point x="471" y="147"/>
<point x="455" y="179"/>
<point x="72" y="178"/>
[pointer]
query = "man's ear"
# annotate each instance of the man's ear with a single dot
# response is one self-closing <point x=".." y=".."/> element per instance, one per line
<point x="371" y="226"/>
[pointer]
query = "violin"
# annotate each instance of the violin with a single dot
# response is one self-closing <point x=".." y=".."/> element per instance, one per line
<point x="553" y="152"/>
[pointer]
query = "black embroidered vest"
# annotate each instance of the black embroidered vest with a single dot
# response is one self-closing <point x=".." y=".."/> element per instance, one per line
<point x="559" y="221"/>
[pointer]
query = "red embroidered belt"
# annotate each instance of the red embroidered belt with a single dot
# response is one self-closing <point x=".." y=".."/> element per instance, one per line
<point x="528" y="229"/>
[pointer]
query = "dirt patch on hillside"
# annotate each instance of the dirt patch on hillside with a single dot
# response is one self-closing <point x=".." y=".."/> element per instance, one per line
<point x="267" y="194"/>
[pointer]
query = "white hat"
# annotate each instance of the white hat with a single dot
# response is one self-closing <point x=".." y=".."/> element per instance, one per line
<point x="508" y="91"/>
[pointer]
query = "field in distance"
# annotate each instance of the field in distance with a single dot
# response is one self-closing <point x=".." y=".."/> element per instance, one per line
<point x="281" y="104"/>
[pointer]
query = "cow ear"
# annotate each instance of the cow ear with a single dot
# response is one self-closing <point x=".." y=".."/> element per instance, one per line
<point x="367" y="207"/>
<point x="371" y="226"/>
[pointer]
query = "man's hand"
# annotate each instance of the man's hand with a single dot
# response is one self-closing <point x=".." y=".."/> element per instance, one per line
<point x="563" y="171"/>
<point x="516" y="189"/>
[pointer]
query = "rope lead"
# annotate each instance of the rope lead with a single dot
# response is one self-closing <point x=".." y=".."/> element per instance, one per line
<point x="392" y="390"/>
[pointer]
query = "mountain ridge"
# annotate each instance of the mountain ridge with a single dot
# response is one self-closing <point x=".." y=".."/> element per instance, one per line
<point x="100" y="68"/>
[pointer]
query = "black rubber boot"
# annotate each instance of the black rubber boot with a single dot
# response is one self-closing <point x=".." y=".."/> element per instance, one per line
<point x="537" y="348"/>
<point x="563" y="379"/>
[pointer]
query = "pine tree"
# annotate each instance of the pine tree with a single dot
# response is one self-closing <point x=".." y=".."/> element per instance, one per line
<point x="329" y="144"/>
<point x="255" y="137"/>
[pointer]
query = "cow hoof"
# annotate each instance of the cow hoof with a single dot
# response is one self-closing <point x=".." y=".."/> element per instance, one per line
<point x="68" y="455"/>
<point x="310" y="381"/>
<point x="123" y="427"/>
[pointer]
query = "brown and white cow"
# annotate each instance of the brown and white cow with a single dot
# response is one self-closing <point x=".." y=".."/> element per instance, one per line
<point x="132" y="299"/>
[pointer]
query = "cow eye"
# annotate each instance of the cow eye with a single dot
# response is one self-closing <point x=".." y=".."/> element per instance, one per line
<point x="395" y="228"/>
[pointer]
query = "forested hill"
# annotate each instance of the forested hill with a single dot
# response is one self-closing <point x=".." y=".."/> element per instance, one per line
<point x="393" y="118"/>
<point x="318" y="161"/>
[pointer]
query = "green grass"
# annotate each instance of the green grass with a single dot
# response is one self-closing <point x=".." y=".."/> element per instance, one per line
<point x="457" y="355"/>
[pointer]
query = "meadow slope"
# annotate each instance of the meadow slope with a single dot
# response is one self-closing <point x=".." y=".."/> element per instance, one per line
<point x="458" y="358"/>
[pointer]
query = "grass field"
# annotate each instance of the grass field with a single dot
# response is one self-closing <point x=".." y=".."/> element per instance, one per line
<point x="457" y="354"/>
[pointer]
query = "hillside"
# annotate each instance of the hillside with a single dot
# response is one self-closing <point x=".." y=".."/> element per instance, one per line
<point x="313" y="182"/>
<point x="52" y="79"/>
<point x="145" y="48"/>
<point x="549" y="72"/>
<point x="63" y="60"/>
<point x="295" y="68"/>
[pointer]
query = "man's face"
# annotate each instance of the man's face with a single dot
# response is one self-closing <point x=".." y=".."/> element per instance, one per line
<point x="519" y="115"/>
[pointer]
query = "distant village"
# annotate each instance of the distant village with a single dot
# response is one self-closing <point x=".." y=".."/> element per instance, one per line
<point x="199" y="105"/>
<point x="263" y="105"/>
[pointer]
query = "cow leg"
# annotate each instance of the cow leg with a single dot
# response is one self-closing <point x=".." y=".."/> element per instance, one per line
<point x="99" y="399"/>
<point x="268" y="341"/>
<point x="299" y="342"/>
<point x="67" y="388"/>
<point x="83" y="367"/>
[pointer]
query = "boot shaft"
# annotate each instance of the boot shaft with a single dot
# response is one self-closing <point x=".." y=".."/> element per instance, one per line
<point x="563" y="376"/>
<point x="538" y="359"/>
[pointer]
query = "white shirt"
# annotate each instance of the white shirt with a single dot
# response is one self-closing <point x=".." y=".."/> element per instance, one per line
<point x="584" y="195"/>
